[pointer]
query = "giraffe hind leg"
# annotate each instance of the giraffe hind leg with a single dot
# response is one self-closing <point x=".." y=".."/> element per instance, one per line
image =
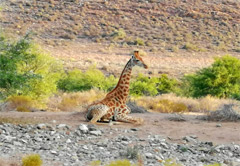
<point x="96" y="112"/>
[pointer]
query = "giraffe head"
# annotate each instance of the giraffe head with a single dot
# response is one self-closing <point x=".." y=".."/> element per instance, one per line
<point x="138" y="61"/>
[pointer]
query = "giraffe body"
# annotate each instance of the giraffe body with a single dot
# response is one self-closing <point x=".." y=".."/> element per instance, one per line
<point x="113" y="106"/>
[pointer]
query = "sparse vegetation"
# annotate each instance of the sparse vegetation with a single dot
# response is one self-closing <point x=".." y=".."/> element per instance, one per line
<point x="131" y="153"/>
<point x="212" y="24"/>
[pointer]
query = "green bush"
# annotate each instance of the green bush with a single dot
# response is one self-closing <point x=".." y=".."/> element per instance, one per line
<point x="32" y="160"/>
<point x="166" y="84"/>
<point x="222" y="79"/>
<point x="144" y="85"/>
<point x="76" y="80"/>
<point x="26" y="70"/>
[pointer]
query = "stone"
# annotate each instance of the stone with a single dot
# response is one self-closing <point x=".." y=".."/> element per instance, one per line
<point x="68" y="141"/>
<point x="134" y="129"/>
<point x="190" y="139"/>
<point x="78" y="148"/>
<point x="218" y="125"/>
<point x="83" y="128"/>
<point x="96" y="132"/>
<point x="41" y="126"/>
<point x="135" y="108"/>
<point x="149" y="155"/>
<point x="62" y="126"/>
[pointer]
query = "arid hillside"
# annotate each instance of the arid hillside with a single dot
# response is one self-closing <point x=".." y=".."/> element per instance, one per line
<point x="180" y="36"/>
<point x="158" y="24"/>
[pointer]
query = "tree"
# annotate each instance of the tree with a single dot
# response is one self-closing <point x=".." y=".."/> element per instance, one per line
<point x="222" y="79"/>
<point x="26" y="70"/>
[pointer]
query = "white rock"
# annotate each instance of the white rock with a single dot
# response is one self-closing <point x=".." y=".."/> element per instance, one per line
<point x="96" y="133"/>
<point x="83" y="128"/>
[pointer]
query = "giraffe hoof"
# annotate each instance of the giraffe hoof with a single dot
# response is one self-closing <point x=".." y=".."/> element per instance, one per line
<point x="139" y="121"/>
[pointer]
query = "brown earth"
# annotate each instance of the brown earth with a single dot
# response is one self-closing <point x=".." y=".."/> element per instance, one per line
<point x="155" y="123"/>
<point x="112" y="61"/>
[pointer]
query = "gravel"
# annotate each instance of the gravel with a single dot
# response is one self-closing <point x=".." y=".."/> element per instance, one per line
<point x="76" y="146"/>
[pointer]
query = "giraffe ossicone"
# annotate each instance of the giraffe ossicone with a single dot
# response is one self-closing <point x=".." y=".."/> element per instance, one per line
<point x="113" y="106"/>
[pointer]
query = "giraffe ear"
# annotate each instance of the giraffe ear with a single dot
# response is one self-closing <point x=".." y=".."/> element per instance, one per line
<point x="136" y="53"/>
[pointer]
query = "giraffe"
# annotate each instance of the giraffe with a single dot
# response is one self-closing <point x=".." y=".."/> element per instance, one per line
<point x="113" y="106"/>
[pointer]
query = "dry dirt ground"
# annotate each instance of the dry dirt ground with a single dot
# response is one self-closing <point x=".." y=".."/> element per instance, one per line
<point x="112" y="60"/>
<point x="155" y="123"/>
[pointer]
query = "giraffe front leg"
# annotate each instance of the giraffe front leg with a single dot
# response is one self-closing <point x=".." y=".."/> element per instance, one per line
<point x="96" y="112"/>
<point x="122" y="115"/>
<point x="130" y="119"/>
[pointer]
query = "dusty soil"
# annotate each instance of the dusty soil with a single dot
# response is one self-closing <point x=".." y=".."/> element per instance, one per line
<point x="155" y="123"/>
<point x="112" y="61"/>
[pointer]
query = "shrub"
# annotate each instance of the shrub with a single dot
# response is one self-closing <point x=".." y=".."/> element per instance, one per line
<point x="23" y="109"/>
<point x="191" y="47"/>
<point x="226" y="113"/>
<point x="119" y="34"/>
<point x="166" y="84"/>
<point x="76" y="80"/>
<point x="139" y="42"/>
<point x="26" y="70"/>
<point x="167" y="106"/>
<point x="32" y="160"/>
<point x="131" y="153"/>
<point x="21" y="103"/>
<point x="144" y="85"/>
<point x="222" y="79"/>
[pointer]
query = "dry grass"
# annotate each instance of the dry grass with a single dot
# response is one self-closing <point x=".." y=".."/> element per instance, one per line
<point x="166" y="103"/>
<point x="171" y="103"/>
<point x="75" y="101"/>
<point x="20" y="103"/>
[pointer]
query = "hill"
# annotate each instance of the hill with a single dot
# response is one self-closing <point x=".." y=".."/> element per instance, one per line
<point x="157" y="24"/>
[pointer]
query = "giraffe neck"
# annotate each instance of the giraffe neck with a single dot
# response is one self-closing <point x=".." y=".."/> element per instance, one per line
<point x="122" y="88"/>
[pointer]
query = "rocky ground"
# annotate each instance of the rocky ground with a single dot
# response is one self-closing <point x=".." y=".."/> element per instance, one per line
<point x="72" y="144"/>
